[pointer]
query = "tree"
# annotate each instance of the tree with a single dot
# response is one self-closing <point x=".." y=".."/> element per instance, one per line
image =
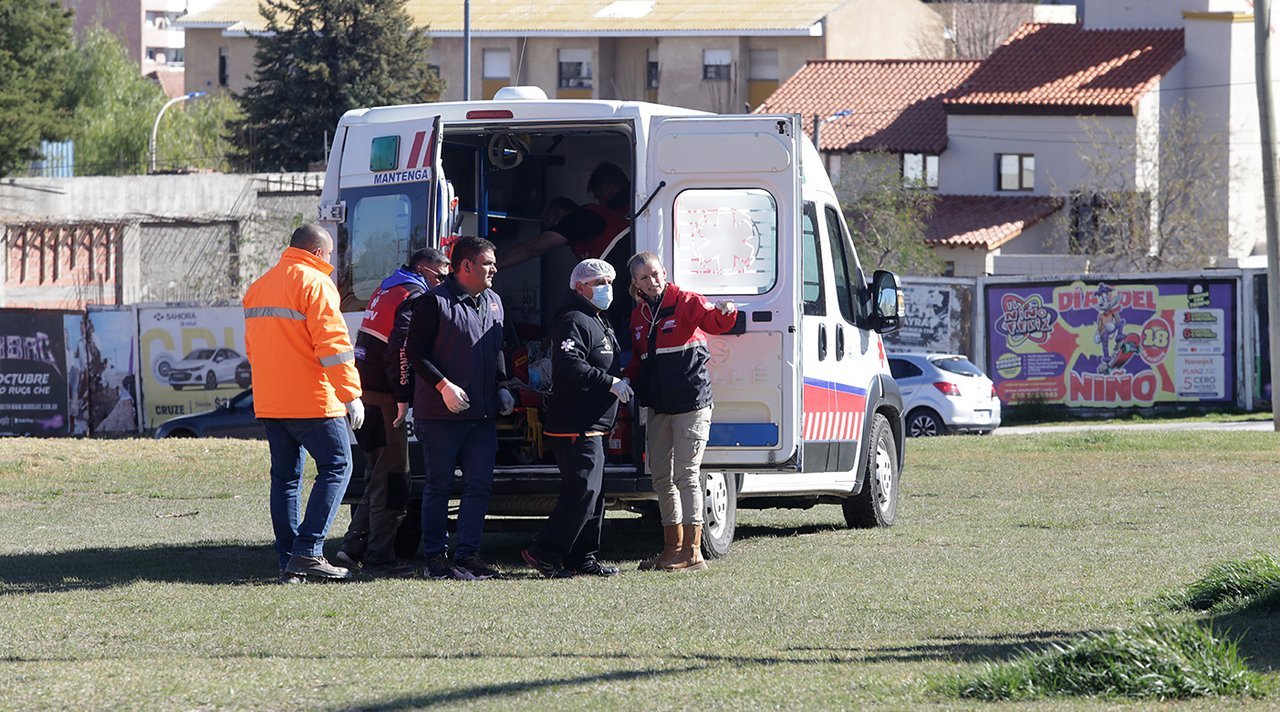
<point x="319" y="59"/>
<point x="887" y="215"/>
<point x="1151" y="203"/>
<point x="35" y="43"/>
<point x="977" y="27"/>
<point x="115" y="107"/>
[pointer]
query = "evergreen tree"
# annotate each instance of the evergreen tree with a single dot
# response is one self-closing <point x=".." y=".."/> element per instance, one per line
<point x="319" y="59"/>
<point x="35" y="43"/>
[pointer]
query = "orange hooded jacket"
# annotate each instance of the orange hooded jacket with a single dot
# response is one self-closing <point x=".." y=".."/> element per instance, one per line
<point x="297" y="342"/>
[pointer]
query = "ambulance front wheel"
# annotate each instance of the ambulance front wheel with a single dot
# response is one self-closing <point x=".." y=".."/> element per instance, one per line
<point x="877" y="504"/>
<point x="719" y="512"/>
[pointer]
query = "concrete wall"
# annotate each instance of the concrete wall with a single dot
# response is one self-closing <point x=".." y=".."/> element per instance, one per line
<point x="883" y="29"/>
<point x="1101" y="14"/>
<point x="197" y="238"/>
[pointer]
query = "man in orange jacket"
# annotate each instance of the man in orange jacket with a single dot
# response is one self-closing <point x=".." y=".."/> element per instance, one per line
<point x="303" y="374"/>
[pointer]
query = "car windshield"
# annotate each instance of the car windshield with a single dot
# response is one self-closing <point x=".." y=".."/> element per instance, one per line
<point x="958" y="365"/>
<point x="200" y="355"/>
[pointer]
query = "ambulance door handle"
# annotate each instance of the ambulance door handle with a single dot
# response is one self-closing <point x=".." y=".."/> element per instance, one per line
<point x="822" y="342"/>
<point x="839" y="342"/>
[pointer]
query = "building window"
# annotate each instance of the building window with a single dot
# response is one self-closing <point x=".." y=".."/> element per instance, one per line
<point x="716" y="64"/>
<point x="764" y="65"/>
<point x="651" y="70"/>
<point x="497" y="64"/>
<point x="920" y="169"/>
<point x="222" y="66"/>
<point x="575" y="69"/>
<point x="1016" y="171"/>
<point x="177" y="56"/>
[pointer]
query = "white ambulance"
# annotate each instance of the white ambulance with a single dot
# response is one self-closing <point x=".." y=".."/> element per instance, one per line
<point x="737" y="207"/>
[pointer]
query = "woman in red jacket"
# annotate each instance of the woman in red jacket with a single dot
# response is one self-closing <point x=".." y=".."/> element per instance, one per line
<point x="669" y="355"/>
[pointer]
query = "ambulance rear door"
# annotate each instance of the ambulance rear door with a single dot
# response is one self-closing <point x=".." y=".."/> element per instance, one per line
<point x="391" y="199"/>
<point x="724" y="218"/>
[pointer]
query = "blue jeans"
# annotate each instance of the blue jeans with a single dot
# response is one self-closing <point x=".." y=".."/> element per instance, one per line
<point x="473" y="444"/>
<point x="325" y="439"/>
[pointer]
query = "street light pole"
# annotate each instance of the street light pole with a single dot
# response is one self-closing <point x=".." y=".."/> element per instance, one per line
<point x="466" y="50"/>
<point x="151" y="145"/>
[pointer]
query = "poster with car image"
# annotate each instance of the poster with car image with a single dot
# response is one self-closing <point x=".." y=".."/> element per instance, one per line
<point x="1113" y="343"/>
<point x="33" y="373"/>
<point x="192" y="359"/>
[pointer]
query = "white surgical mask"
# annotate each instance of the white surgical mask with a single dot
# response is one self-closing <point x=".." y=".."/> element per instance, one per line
<point x="602" y="296"/>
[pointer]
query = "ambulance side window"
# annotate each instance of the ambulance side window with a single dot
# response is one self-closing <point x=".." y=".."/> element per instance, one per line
<point x="381" y="231"/>
<point x="815" y="302"/>
<point x="848" y="279"/>
<point x="726" y="241"/>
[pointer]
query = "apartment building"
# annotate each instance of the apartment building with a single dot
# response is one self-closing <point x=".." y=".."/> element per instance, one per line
<point x="148" y="30"/>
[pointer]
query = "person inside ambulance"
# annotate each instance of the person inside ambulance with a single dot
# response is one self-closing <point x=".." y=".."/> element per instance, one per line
<point x="591" y="231"/>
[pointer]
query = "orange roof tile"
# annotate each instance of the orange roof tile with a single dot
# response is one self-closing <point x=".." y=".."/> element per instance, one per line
<point x="896" y="104"/>
<point x="1064" y="69"/>
<point x="986" y="221"/>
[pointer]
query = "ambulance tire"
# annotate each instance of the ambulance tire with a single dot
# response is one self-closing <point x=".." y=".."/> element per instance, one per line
<point x="877" y="504"/>
<point x="719" y="512"/>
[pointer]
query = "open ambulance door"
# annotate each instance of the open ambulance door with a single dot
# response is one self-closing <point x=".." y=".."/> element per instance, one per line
<point x="726" y="224"/>
<point x="392" y="200"/>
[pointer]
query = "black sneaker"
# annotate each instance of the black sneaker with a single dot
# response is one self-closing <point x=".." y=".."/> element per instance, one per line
<point x="315" y="567"/>
<point x="592" y="567"/>
<point x="472" y="568"/>
<point x="437" y="567"/>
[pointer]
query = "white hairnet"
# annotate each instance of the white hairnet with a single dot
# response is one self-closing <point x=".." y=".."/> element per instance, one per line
<point x="588" y="270"/>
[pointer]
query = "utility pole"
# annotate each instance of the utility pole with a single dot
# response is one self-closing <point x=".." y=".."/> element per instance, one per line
<point x="466" y="50"/>
<point x="1266" y="121"/>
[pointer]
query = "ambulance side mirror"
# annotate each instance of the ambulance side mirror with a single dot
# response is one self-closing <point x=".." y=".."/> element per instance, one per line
<point x="887" y="305"/>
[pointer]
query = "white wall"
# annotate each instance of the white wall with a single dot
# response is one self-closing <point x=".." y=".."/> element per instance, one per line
<point x="1099" y="14"/>
<point x="968" y="166"/>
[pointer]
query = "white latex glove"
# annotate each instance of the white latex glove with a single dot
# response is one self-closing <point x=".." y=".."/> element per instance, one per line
<point x="726" y="306"/>
<point x="621" y="389"/>
<point x="402" y="410"/>
<point x="455" y="399"/>
<point x="355" y="413"/>
<point x="506" y="402"/>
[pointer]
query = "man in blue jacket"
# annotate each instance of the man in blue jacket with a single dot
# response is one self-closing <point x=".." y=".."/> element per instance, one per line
<point x="455" y="346"/>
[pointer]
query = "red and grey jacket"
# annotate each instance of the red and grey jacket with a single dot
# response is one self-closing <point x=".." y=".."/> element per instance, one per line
<point x="669" y="355"/>
<point x="379" y="366"/>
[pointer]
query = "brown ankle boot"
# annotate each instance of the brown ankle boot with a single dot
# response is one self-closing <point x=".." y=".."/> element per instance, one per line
<point x="690" y="558"/>
<point x="672" y="541"/>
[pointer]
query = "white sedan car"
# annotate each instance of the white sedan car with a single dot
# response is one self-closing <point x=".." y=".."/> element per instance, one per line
<point x="943" y="393"/>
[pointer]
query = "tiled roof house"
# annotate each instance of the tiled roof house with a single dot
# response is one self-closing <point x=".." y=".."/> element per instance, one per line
<point x="1008" y="134"/>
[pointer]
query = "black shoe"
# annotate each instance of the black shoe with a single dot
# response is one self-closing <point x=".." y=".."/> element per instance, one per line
<point x="592" y="567"/>
<point x="389" y="569"/>
<point x="437" y="567"/>
<point x="542" y="566"/>
<point x="472" y="568"/>
<point x="347" y="560"/>
<point x="316" y="567"/>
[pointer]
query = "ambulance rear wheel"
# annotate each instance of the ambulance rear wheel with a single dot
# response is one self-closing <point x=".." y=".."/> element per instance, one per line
<point x="719" y="513"/>
<point x="877" y="504"/>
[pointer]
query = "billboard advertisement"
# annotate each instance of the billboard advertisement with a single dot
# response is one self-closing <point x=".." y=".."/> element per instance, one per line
<point x="33" y="373"/>
<point x="191" y="360"/>
<point x="1113" y="343"/>
<point x="937" y="319"/>
<point x="111" y="368"/>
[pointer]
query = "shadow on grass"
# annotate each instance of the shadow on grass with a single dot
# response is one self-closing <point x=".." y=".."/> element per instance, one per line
<point x="958" y="648"/>
<point x="87" y="569"/>
<point x="1256" y="626"/>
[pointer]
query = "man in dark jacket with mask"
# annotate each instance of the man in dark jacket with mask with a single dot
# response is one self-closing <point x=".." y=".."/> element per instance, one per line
<point x="584" y="401"/>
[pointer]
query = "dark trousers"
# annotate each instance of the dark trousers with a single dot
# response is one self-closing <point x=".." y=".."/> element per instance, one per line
<point x="472" y="445"/>
<point x="371" y="536"/>
<point x="572" y="533"/>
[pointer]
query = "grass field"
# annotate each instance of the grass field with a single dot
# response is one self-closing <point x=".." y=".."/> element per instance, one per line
<point x="135" y="574"/>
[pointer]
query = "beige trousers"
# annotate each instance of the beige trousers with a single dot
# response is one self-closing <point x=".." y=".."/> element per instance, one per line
<point x="675" y="444"/>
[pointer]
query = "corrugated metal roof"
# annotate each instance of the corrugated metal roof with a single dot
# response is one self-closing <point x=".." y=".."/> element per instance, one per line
<point x="1064" y="70"/>
<point x="896" y="105"/>
<point x="575" y="16"/>
<point x="986" y="221"/>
